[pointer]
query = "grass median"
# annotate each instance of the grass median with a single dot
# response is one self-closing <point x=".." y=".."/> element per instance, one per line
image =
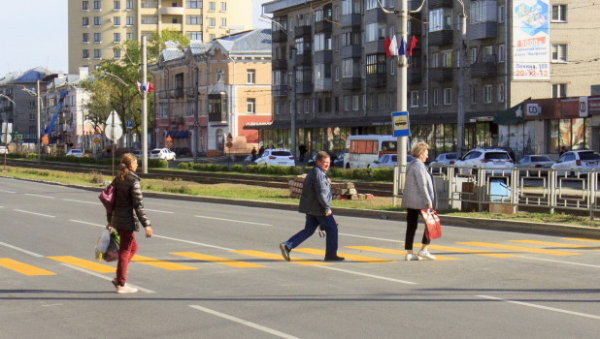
<point x="249" y="192"/>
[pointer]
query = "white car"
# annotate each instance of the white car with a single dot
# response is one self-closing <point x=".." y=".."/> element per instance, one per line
<point x="75" y="153"/>
<point x="494" y="160"/>
<point x="580" y="161"/>
<point x="162" y="153"/>
<point x="442" y="161"/>
<point x="276" y="156"/>
<point x="389" y="161"/>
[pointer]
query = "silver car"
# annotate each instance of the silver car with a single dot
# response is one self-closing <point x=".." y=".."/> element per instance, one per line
<point x="442" y="161"/>
<point x="531" y="165"/>
<point x="574" y="162"/>
<point x="389" y="161"/>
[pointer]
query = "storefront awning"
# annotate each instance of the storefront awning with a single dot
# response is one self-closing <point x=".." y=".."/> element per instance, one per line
<point x="512" y="116"/>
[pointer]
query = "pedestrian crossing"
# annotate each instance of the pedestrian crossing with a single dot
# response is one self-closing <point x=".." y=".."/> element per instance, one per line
<point x="245" y="259"/>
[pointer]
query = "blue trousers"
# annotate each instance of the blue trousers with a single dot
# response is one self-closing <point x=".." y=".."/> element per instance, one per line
<point x="312" y="222"/>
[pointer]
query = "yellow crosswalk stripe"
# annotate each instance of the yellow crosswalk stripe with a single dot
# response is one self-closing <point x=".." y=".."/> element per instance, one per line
<point x="556" y="244"/>
<point x="582" y="239"/>
<point x="345" y="255"/>
<point x="161" y="264"/>
<point x="218" y="260"/>
<point x="278" y="257"/>
<point x="87" y="264"/>
<point x="23" y="268"/>
<point x="395" y="252"/>
<point x="469" y="251"/>
<point x="518" y="248"/>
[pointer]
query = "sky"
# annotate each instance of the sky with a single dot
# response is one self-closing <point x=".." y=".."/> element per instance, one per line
<point x="35" y="33"/>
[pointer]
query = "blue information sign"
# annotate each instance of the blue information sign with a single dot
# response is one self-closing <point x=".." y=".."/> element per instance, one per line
<point x="129" y="124"/>
<point x="401" y="124"/>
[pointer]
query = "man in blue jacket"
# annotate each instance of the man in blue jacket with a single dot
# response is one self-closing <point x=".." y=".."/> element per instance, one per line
<point x="315" y="202"/>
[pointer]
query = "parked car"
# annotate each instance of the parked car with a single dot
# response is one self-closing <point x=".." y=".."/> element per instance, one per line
<point x="580" y="161"/>
<point x="162" y="153"/>
<point x="332" y="157"/>
<point x="276" y="156"/>
<point x="488" y="158"/>
<point x="389" y="161"/>
<point x="529" y="163"/>
<point x="75" y="153"/>
<point x="339" y="161"/>
<point x="4" y="150"/>
<point x="442" y="161"/>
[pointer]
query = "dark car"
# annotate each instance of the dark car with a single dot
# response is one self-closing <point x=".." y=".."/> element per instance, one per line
<point x="332" y="156"/>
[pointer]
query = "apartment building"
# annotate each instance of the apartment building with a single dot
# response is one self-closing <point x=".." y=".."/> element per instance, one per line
<point x="212" y="90"/>
<point x="331" y="70"/>
<point x="97" y="29"/>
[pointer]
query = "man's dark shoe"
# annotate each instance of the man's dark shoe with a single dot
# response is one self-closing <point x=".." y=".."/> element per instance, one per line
<point x="285" y="252"/>
<point x="336" y="258"/>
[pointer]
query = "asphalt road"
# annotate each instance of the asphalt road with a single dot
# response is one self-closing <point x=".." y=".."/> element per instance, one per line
<point x="215" y="271"/>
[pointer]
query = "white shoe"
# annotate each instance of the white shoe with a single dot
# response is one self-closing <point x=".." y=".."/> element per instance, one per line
<point x="126" y="289"/>
<point x="426" y="254"/>
<point x="412" y="257"/>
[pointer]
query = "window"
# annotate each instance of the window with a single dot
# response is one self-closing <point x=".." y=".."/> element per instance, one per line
<point x="97" y="37"/>
<point x="501" y="13"/>
<point x="193" y="3"/>
<point x="129" y="21"/>
<point x="501" y="53"/>
<point x="447" y="96"/>
<point x="483" y="11"/>
<point x="375" y="31"/>
<point x="223" y="7"/>
<point x="306" y="105"/>
<point x="193" y="19"/>
<point x="473" y="95"/>
<point x="392" y="67"/>
<point x="129" y="5"/>
<point x="559" y="53"/>
<point x="559" y="13"/>
<point x="86" y="54"/>
<point x="414" y="98"/>
<point x="487" y="94"/>
<point x="251" y="106"/>
<point x="447" y="58"/>
<point x="355" y="102"/>
<point x="501" y="93"/>
<point x="440" y="19"/>
<point x="129" y="36"/>
<point x="117" y="53"/>
<point x="86" y="38"/>
<point x="251" y="76"/>
<point x="436" y="95"/>
<point x="346" y="102"/>
<point x="97" y="5"/>
<point x="559" y="90"/>
<point x="473" y="55"/>
<point x="149" y="19"/>
<point x="337" y="73"/>
<point x="149" y="4"/>
<point x="85" y="5"/>
<point x="223" y="22"/>
<point x="116" y="37"/>
<point x="96" y="21"/>
<point x="212" y="22"/>
<point x="219" y="76"/>
<point x="117" y="21"/>
<point x="97" y="53"/>
<point x="116" y="5"/>
<point x="211" y="6"/>
<point x="85" y="21"/>
<point x="194" y="35"/>
<point x="376" y="64"/>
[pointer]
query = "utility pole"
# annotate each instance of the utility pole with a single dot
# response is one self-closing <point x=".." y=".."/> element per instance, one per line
<point x="402" y="87"/>
<point x="195" y="139"/>
<point x="39" y="123"/>
<point x="293" y="105"/>
<point x="460" y="125"/>
<point x="144" y="111"/>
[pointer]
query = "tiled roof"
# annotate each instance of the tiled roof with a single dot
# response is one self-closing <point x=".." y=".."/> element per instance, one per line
<point x="256" y="41"/>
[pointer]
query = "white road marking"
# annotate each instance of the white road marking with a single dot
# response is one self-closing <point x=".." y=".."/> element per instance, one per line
<point x="244" y="322"/>
<point x="39" y="196"/>
<point x="4" y="191"/>
<point x="40" y="214"/>
<point x="22" y="250"/>
<point x="87" y="223"/>
<point x="367" y="275"/>
<point x="585" y="315"/>
<point x="52" y="305"/>
<point x="83" y="202"/>
<point x="562" y="262"/>
<point x="243" y="222"/>
<point x="372" y="238"/>
<point x="145" y="290"/>
<point x="158" y="211"/>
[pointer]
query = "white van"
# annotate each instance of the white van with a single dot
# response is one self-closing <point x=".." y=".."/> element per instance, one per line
<point x="362" y="150"/>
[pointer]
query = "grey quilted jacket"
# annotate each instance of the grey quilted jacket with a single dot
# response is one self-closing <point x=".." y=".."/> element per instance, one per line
<point x="129" y="204"/>
<point x="419" y="189"/>
<point x="316" y="193"/>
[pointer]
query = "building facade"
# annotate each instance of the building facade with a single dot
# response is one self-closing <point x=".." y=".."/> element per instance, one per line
<point x="331" y="70"/>
<point x="213" y="90"/>
<point x="97" y="29"/>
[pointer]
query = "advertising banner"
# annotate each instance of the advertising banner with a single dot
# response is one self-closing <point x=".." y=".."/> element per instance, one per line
<point x="531" y="40"/>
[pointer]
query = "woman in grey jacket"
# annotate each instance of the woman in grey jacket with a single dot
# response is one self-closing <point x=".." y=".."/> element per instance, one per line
<point x="419" y="194"/>
<point x="128" y="211"/>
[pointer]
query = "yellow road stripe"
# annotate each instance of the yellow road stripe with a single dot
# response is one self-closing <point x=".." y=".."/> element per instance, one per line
<point x="277" y="257"/>
<point x="556" y="244"/>
<point x="161" y="264"/>
<point x="87" y="264"/>
<point x="345" y="255"/>
<point x="582" y="239"/>
<point x="464" y="250"/>
<point x="396" y="252"/>
<point x="518" y="248"/>
<point x="218" y="260"/>
<point x="23" y="268"/>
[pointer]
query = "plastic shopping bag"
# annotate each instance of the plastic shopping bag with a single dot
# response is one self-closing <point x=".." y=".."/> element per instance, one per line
<point x="433" y="227"/>
<point x="102" y="244"/>
<point x="112" y="252"/>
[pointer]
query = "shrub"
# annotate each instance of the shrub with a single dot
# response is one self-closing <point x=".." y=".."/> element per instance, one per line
<point x="157" y="163"/>
<point x="237" y="168"/>
<point x="252" y="168"/>
<point x="382" y="174"/>
<point x="97" y="178"/>
<point x="183" y="166"/>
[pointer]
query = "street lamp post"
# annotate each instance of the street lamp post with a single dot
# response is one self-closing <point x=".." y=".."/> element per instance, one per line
<point x="128" y="104"/>
<point x="39" y="117"/>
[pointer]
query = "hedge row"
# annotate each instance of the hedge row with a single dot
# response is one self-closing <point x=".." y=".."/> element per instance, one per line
<point x="152" y="163"/>
<point x="362" y="174"/>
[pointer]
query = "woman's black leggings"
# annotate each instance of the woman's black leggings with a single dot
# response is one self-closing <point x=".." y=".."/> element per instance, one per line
<point x="412" y="220"/>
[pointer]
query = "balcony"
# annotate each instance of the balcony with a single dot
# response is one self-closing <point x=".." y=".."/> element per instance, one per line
<point x="304" y="59"/>
<point x="351" y="83"/>
<point x="304" y="87"/>
<point x="323" y="85"/>
<point x="483" y="30"/>
<point x="440" y="38"/>
<point x="302" y="31"/>
<point x="351" y="20"/>
<point x="377" y="80"/>
<point x="172" y="27"/>
<point x="323" y="57"/>
<point x="280" y="90"/>
<point x="352" y="51"/>
<point x="279" y="64"/>
<point x="176" y="93"/>
<point x="323" y="26"/>
<point x="484" y="69"/>
<point x="375" y="47"/>
<point x="441" y="74"/>
<point x="440" y="3"/>
<point x="375" y="15"/>
<point x="414" y="76"/>
<point x="279" y="36"/>
<point x="217" y="117"/>
<point x="172" y="10"/>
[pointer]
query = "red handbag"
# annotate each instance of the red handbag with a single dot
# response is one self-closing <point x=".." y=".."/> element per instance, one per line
<point x="107" y="197"/>
<point x="433" y="228"/>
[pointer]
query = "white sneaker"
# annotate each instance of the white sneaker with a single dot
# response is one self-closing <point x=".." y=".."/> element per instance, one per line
<point x="126" y="289"/>
<point x="426" y="254"/>
<point x="412" y="257"/>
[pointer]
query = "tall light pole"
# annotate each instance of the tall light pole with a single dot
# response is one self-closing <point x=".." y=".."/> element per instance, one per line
<point x="144" y="111"/>
<point x="128" y="104"/>
<point x="39" y="121"/>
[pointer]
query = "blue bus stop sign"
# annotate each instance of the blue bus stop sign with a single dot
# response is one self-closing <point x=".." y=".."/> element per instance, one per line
<point x="401" y="124"/>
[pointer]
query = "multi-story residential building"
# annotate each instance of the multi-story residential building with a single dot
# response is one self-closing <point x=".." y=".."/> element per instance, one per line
<point x="330" y="67"/>
<point x="97" y="29"/>
<point x="214" y="89"/>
